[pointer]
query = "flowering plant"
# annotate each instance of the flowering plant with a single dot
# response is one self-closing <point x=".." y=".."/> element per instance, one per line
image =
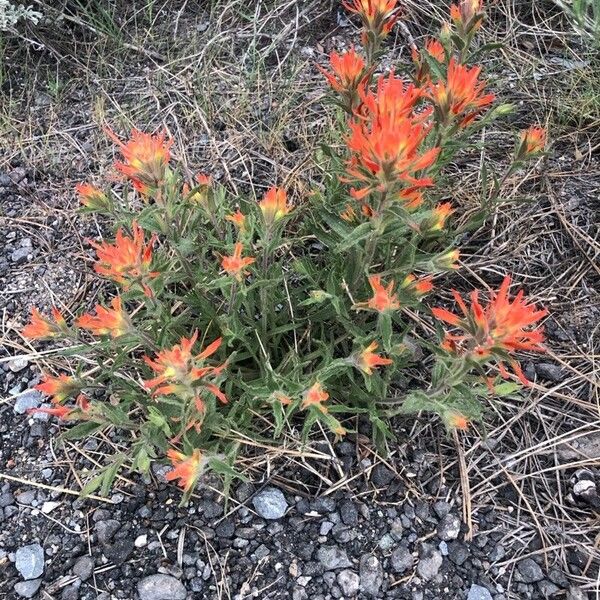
<point x="232" y="313"/>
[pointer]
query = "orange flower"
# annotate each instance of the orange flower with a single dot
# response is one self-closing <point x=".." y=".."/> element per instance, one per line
<point x="348" y="214"/>
<point x="439" y="216"/>
<point x="82" y="404"/>
<point x="283" y="398"/>
<point x="461" y="95"/>
<point x="367" y="360"/>
<point x="411" y="199"/>
<point x="417" y="286"/>
<point x="106" y="321"/>
<point x="185" y="468"/>
<point x="274" y="205"/>
<point x="435" y="49"/>
<point x="393" y="100"/>
<point x="315" y="396"/>
<point x="467" y="15"/>
<point x="62" y="412"/>
<point x="58" y="388"/>
<point x="238" y="219"/>
<point x="378" y="16"/>
<point x="40" y="327"/>
<point x="92" y="197"/>
<point x="146" y="159"/>
<point x="348" y="72"/>
<point x="496" y="330"/>
<point x="180" y="372"/>
<point x="532" y="142"/>
<point x="234" y="265"/>
<point x="386" y="152"/>
<point x="455" y="420"/>
<point x="128" y="260"/>
<point x="383" y="299"/>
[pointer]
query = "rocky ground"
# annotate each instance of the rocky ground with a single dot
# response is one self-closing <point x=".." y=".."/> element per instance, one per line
<point x="512" y="515"/>
<point x="373" y="537"/>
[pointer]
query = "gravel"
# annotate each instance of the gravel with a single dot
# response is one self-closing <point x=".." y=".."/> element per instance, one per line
<point x="448" y="527"/>
<point x="349" y="582"/>
<point x="529" y="571"/>
<point x="26" y="401"/>
<point x="28" y="589"/>
<point x="429" y="566"/>
<point x="371" y="575"/>
<point x="401" y="559"/>
<point x="161" y="587"/>
<point x="84" y="567"/>
<point x="270" y="503"/>
<point x="29" y="561"/>
<point x="333" y="557"/>
<point x="105" y="530"/>
<point x="478" y="592"/>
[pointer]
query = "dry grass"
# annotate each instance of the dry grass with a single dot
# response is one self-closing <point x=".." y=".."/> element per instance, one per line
<point x="236" y="87"/>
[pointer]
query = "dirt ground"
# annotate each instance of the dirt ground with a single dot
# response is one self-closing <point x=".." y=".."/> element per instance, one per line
<point x="506" y="513"/>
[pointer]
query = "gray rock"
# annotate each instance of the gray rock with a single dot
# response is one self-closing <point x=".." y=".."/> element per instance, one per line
<point x="71" y="592"/>
<point x="559" y="578"/>
<point x="18" y="364"/>
<point x="21" y="255"/>
<point x="161" y="587"/>
<point x="387" y="541"/>
<point x="529" y="571"/>
<point x="457" y="553"/>
<point x="27" y="497"/>
<point x="448" y="528"/>
<point x="349" y="582"/>
<point x="441" y="508"/>
<point x="401" y="560"/>
<point x="371" y="575"/>
<point x="547" y="588"/>
<point x="428" y="567"/>
<point x="323" y="504"/>
<point x="333" y="557"/>
<point x="478" y="592"/>
<point x="120" y="551"/>
<point x="225" y="528"/>
<point x="105" y="530"/>
<point x="549" y="371"/>
<point x="381" y="475"/>
<point x="576" y="593"/>
<point x="28" y="589"/>
<point x="29" y="561"/>
<point x="6" y="499"/>
<point x="348" y="512"/>
<point x="83" y="567"/>
<point x="270" y="503"/>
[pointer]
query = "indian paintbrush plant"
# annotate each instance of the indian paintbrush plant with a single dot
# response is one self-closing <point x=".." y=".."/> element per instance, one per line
<point x="225" y="313"/>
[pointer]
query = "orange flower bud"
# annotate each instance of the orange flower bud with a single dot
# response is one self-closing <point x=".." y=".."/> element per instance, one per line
<point x="274" y="205"/>
<point x="92" y="197"/>
<point x="234" y="265"/>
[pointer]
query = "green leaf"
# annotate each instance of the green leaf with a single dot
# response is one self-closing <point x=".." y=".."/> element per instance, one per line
<point x="110" y="474"/>
<point x="360" y="233"/>
<point x="81" y="430"/>
<point x="506" y="388"/>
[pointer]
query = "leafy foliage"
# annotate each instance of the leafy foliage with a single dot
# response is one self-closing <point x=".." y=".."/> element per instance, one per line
<point x="231" y="311"/>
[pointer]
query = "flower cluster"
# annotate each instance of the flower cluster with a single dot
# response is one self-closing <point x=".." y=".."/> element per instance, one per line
<point x="497" y="330"/>
<point x="128" y="261"/>
<point x="306" y="301"/>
